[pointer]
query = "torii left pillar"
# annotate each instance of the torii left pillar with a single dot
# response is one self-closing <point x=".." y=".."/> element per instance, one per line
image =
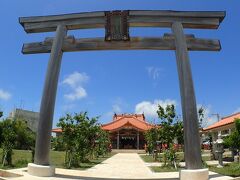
<point x="41" y="166"/>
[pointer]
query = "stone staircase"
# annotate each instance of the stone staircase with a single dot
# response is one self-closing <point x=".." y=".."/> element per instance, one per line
<point x="139" y="151"/>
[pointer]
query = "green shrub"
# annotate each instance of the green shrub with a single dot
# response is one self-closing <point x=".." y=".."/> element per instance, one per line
<point x="21" y="163"/>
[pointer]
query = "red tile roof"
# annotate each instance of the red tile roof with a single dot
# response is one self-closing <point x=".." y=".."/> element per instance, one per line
<point x="123" y="120"/>
<point x="135" y="120"/>
<point x="224" y="121"/>
<point x="57" y="130"/>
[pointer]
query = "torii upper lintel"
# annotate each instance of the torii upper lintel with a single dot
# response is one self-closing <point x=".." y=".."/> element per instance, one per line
<point x="136" y="18"/>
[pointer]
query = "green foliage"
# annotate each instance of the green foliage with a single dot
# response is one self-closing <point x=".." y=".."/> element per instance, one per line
<point x="171" y="126"/>
<point x="201" y="114"/>
<point x="237" y="125"/>
<point x="178" y="129"/>
<point x="14" y="134"/>
<point x="170" y="157"/>
<point x="232" y="169"/>
<point x="102" y="143"/>
<point x="57" y="143"/>
<point x="164" y="169"/>
<point x="151" y="136"/>
<point x="9" y="137"/>
<point x="21" y="163"/>
<point x="21" y="158"/>
<point x="1" y="114"/>
<point x="25" y="138"/>
<point x="169" y="129"/>
<point x="233" y="140"/>
<point x="83" y="138"/>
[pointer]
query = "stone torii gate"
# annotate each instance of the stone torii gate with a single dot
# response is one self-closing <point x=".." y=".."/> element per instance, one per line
<point x="117" y="37"/>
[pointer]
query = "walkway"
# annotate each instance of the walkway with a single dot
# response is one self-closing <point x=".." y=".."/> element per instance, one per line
<point x="119" y="166"/>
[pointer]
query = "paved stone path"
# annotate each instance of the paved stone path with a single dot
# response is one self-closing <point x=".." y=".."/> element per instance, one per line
<point x="119" y="166"/>
<point x="122" y="165"/>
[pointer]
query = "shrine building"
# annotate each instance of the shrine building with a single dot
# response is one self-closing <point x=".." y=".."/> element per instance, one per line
<point x="126" y="131"/>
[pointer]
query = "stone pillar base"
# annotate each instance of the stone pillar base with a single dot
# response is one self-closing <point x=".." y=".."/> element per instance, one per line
<point x="194" y="174"/>
<point x="41" y="171"/>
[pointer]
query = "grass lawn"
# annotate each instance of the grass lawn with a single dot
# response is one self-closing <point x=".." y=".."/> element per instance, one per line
<point x="180" y="157"/>
<point x="164" y="169"/>
<point x="149" y="158"/>
<point x="232" y="169"/>
<point x="22" y="157"/>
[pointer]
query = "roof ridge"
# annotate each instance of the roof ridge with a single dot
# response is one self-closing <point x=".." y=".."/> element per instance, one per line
<point x="145" y="122"/>
<point x="130" y="116"/>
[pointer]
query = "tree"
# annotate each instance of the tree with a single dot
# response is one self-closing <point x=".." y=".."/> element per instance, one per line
<point x="8" y="140"/>
<point x="178" y="129"/>
<point x="233" y="140"/>
<point x="201" y="115"/>
<point x="57" y="143"/>
<point x="14" y="133"/>
<point x="151" y="137"/>
<point x="170" y="126"/>
<point x="25" y="138"/>
<point x="1" y="128"/>
<point x="82" y="138"/>
<point x="102" y="143"/>
<point x="67" y="124"/>
<point x="1" y="114"/>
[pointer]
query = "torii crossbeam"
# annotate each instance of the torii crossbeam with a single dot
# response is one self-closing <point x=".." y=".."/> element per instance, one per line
<point x="117" y="37"/>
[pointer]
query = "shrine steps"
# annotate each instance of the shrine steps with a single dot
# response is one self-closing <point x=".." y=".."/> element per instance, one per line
<point x="139" y="151"/>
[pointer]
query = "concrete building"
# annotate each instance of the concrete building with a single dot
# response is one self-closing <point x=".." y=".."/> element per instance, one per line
<point x="30" y="117"/>
<point x="225" y="126"/>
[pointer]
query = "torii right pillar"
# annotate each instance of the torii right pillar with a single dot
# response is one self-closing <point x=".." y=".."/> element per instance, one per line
<point x="192" y="152"/>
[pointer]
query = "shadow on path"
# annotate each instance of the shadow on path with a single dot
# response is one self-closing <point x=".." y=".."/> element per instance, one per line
<point x="98" y="178"/>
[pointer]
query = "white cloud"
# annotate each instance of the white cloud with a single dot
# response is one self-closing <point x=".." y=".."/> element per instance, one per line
<point x="78" y="93"/>
<point x="75" y="81"/>
<point x="4" y="95"/>
<point x="150" y="108"/>
<point x="154" y="72"/>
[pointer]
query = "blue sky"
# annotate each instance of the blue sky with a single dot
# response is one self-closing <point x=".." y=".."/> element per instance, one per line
<point x="104" y="82"/>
